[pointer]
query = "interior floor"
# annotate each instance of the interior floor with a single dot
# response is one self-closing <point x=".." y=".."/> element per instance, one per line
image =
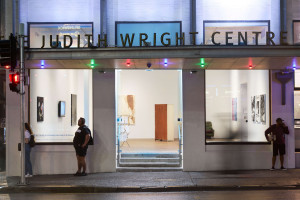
<point x="149" y="146"/>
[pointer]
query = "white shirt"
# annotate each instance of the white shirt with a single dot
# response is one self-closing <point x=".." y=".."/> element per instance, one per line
<point x="27" y="134"/>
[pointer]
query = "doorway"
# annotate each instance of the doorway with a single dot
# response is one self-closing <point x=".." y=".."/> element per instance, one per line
<point x="149" y="118"/>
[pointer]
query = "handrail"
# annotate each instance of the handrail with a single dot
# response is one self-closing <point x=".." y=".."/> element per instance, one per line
<point x="180" y="142"/>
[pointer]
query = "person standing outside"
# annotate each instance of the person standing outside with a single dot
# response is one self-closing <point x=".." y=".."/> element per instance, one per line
<point x="80" y="142"/>
<point x="278" y="130"/>
<point x="28" y="166"/>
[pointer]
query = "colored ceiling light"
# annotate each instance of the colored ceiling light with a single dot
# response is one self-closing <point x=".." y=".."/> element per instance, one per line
<point x="250" y="66"/>
<point x="42" y="64"/>
<point x="202" y="63"/>
<point x="92" y="65"/>
<point x="294" y="64"/>
<point x="128" y="62"/>
<point x="166" y="62"/>
<point x="7" y="66"/>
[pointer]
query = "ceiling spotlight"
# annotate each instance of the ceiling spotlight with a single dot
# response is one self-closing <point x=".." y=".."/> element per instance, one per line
<point x="250" y="66"/>
<point x="193" y="72"/>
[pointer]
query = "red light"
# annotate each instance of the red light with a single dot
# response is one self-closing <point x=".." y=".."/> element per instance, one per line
<point x="7" y="66"/>
<point x="14" y="78"/>
<point x="10" y="78"/>
<point x="128" y="62"/>
<point x="250" y="66"/>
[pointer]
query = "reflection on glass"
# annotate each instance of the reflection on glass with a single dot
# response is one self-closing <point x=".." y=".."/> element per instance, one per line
<point x="36" y="32"/>
<point x="237" y="105"/>
<point x="235" y="27"/>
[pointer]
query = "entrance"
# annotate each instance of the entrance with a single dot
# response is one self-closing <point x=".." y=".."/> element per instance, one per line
<point x="149" y="119"/>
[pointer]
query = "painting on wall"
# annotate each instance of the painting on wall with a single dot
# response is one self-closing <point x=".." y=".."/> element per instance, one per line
<point x="73" y="109"/>
<point x="263" y="108"/>
<point x="127" y="108"/>
<point x="234" y="109"/>
<point x="253" y="108"/>
<point x="40" y="109"/>
<point x="257" y="109"/>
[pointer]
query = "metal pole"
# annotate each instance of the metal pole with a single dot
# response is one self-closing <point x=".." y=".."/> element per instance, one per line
<point x="22" y="94"/>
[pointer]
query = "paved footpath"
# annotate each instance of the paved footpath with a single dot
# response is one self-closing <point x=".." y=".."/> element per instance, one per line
<point x="158" y="182"/>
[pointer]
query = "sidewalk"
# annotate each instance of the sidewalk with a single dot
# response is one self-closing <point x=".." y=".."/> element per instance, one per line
<point x="158" y="182"/>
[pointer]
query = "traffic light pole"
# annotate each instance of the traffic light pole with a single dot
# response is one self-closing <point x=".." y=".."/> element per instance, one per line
<point x="22" y="94"/>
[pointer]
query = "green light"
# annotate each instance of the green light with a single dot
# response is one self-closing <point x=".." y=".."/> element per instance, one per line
<point x="202" y="63"/>
<point x="92" y="64"/>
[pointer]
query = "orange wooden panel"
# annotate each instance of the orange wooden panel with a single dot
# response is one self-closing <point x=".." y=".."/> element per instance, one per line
<point x="161" y="122"/>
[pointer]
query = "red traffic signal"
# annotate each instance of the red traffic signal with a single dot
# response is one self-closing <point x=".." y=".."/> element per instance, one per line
<point x="14" y="80"/>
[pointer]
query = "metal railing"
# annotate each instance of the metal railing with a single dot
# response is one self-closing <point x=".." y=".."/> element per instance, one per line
<point x="180" y="143"/>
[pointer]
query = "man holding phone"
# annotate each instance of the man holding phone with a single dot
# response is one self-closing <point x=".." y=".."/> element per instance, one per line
<point x="278" y="131"/>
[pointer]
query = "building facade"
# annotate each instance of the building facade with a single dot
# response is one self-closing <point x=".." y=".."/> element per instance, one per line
<point x="218" y="63"/>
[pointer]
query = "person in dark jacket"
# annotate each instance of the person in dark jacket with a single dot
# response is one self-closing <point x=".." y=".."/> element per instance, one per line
<point x="278" y="132"/>
<point x="80" y="143"/>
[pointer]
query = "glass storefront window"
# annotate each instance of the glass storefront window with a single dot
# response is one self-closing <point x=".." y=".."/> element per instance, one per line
<point x="296" y="32"/>
<point x="149" y="28"/>
<point x="235" y="27"/>
<point x="37" y="30"/>
<point x="237" y="105"/>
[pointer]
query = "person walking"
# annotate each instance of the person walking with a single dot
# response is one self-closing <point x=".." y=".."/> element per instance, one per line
<point x="28" y="166"/>
<point x="80" y="142"/>
<point x="278" y="132"/>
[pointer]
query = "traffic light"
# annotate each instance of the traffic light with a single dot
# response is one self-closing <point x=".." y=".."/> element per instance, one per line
<point x="8" y="53"/>
<point x="14" y="80"/>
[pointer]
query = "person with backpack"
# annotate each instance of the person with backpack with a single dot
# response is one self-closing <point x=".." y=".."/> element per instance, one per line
<point x="28" y="137"/>
<point x="81" y="141"/>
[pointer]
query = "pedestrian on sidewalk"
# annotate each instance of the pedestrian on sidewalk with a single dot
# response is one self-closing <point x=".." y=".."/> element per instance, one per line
<point x="278" y="132"/>
<point x="28" y="166"/>
<point x="80" y="142"/>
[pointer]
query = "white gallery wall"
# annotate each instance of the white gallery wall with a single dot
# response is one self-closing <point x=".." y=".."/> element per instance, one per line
<point x="150" y="88"/>
<point x="225" y="85"/>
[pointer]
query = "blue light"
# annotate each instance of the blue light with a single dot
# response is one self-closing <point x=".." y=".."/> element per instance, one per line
<point x="166" y="62"/>
<point x="42" y="64"/>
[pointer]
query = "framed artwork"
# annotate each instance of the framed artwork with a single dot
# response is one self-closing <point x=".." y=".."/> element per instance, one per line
<point x="257" y="110"/>
<point x="253" y="108"/>
<point x="61" y="109"/>
<point x="263" y="109"/>
<point x="127" y="108"/>
<point x="40" y="109"/>
<point x="234" y="109"/>
<point x="73" y="109"/>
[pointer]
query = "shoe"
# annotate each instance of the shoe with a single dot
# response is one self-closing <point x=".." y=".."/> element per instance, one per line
<point x="282" y="168"/>
<point x="77" y="174"/>
<point x="28" y="176"/>
<point x="272" y="169"/>
<point x="83" y="174"/>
